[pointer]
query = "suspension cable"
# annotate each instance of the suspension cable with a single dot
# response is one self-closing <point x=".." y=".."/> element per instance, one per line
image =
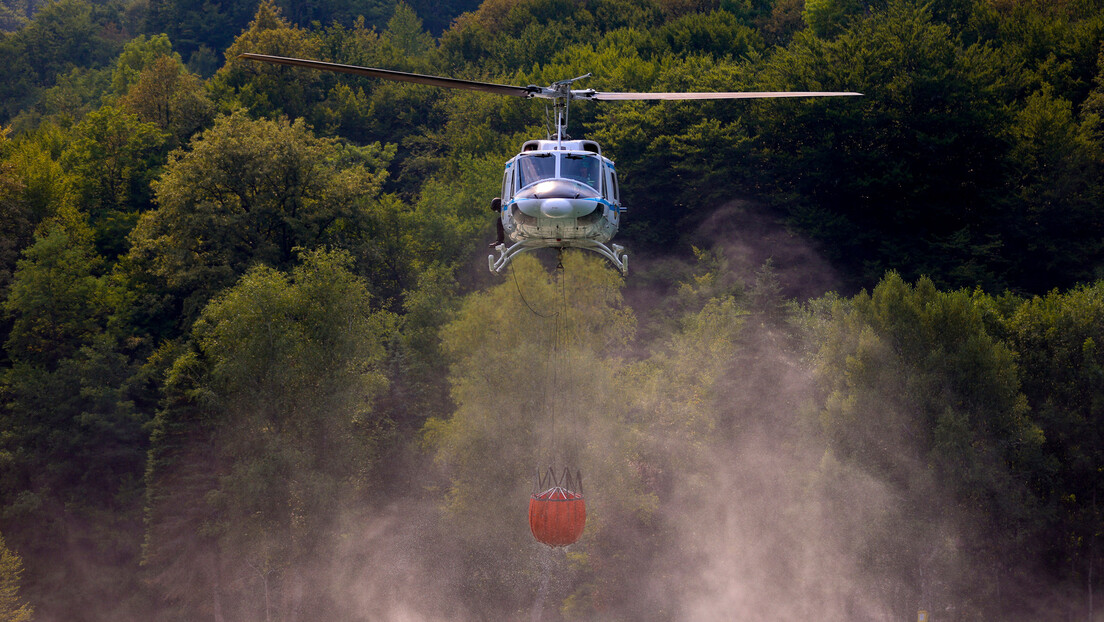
<point x="559" y="339"/>
<point x="526" y="302"/>
<point x="556" y="358"/>
<point x="549" y="391"/>
<point x="563" y="308"/>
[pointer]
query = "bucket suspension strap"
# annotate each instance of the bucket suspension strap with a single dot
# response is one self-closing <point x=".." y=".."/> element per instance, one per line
<point x="566" y="480"/>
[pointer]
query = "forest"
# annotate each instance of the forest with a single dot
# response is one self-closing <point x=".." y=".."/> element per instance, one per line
<point x="254" y="367"/>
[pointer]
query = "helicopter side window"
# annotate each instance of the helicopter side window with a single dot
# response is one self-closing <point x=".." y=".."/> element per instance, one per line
<point x="584" y="168"/>
<point x="533" y="168"/>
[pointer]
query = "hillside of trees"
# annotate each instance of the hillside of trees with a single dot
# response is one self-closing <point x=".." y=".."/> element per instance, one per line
<point x="254" y="367"/>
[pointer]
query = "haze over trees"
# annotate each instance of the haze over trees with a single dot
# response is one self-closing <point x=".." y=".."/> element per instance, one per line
<point x="253" y="367"/>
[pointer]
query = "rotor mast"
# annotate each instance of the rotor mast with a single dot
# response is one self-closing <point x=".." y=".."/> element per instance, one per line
<point x="561" y="94"/>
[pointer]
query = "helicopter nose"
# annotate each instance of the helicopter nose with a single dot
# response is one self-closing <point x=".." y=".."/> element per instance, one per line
<point x="556" y="208"/>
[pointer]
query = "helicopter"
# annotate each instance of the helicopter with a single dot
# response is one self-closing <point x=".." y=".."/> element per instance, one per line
<point x="556" y="192"/>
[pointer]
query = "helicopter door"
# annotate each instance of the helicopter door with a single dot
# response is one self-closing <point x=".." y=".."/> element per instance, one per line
<point x="612" y="193"/>
<point x="507" y="183"/>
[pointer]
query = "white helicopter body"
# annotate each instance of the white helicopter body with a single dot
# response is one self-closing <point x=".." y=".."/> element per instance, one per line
<point x="559" y="194"/>
<point x="556" y="193"/>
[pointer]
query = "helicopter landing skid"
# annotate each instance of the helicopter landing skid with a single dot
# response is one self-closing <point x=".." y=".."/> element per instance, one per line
<point x="615" y="253"/>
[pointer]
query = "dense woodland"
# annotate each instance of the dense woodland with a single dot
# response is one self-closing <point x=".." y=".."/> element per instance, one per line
<point x="254" y="367"/>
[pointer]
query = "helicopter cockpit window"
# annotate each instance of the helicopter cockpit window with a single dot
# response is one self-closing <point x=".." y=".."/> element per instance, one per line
<point x="533" y="168"/>
<point x="584" y="168"/>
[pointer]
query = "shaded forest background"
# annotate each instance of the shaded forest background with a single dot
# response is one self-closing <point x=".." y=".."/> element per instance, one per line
<point x="254" y="369"/>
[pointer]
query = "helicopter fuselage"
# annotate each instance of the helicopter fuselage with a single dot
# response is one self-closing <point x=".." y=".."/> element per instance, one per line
<point x="559" y="194"/>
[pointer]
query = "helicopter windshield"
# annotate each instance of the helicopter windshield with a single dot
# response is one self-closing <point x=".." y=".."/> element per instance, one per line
<point x="533" y="168"/>
<point x="584" y="168"/>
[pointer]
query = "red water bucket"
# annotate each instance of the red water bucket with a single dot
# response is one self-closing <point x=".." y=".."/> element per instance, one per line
<point x="557" y="516"/>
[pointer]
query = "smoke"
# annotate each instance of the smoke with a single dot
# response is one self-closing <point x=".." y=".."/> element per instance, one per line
<point x="749" y="236"/>
<point x="777" y="533"/>
<point x="733" y="508"/>
<point x="712" y="492"/>
<point x="394" y="566"/>
<point x="769" y="524"/>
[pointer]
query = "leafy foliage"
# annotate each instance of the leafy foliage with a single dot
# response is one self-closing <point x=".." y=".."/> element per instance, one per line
<point x="111" y="165"/>
<point x="1056" y="337"/>
<point x="11" y="570"/>
<point x="249" y="192"/>
<point x="289" y="451"/>
<point x="255" y="286"/>
<point x="62" y="36"/>
<point x="74" y="433"/>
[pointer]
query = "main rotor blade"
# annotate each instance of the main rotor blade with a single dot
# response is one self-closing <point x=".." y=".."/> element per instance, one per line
<point x="749" y="95"/>
<point x="401" y="76"/>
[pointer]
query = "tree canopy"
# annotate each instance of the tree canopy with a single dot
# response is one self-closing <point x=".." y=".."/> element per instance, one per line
<point x="253" y="367"/>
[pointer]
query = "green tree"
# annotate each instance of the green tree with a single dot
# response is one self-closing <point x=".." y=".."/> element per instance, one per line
<point x="249" y="192"/>
<point x="1054" y="190"/>
<point x="72" y="96"/>
<point x="439" y="14"/>
<point x="717" y="34"/>
<point x="784" y="21"/>
<point x="519" y="35"/>
<point x="367" y="110"/>
<point x="61" y="36"/>
<point x="706" y="147"/>
<point x="828" y="18"/>
<point x="57" y="298"/>
<point x="1054" y="44"/>
<point x="167" y="94"/>
<point x="1092" y="109"/>
<point x="503" y="431"/>
<point x="912" y="374"/>
<point x="404" y="31"/>
<point x="416" y="361"/>
<point x="903" y="177"/>
<point x="137" y="56"/>
<point x="111" y="162"/>
<point x="267" y="89"/>
<point x="197" y="28"/>
<point x="74" y="434"/>
<point x="287" y="411"/>
<point x="11" y="572"/>
<point x="1057" y="339"/>
<point x="341" y="12"/>
<point x="35" y="160"/>
<point x="10" y="19"/>
<point x="15" y="232"/>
